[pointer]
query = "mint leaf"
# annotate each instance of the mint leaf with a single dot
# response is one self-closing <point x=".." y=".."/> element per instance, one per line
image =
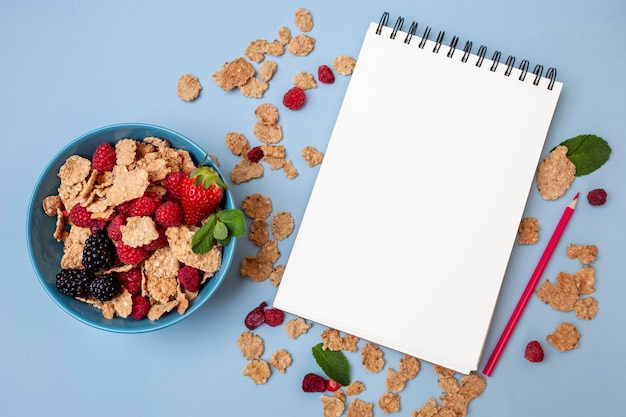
<point x="233" y="219"/>
<point x="220" y="227"/>
<point x="203" y="240"/>
<point x="220" y="232"/>
<point x="587" y="153"/>
<point x="334" y="364"/>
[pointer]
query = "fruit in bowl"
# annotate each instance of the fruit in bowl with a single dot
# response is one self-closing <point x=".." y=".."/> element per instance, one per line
<point x="130" y="228"/>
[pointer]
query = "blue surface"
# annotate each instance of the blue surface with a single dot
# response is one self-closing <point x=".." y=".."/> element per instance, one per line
<point x="69" y="67"/>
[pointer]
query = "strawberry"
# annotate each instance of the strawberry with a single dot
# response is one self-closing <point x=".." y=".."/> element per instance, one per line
<point x="201" y="192"/>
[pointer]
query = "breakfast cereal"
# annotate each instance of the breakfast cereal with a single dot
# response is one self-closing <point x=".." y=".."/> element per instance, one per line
<point x="355" y="388"/>
<point x="312" y="156"/>
<point x="254" y="87"/>
<point x="331" y="340"/>
<point x="251" y="345"/>
<point x="304" y="20"/>
<point x="282" y="225"/>
<point x="257" y="206"/>
<point x="555" y="174"/>
<point x="188" y="87"/>
<point x="585" y="254"/>
<point x="258" y="371"/>
<point x="281" y="360"/>
<point x="297" y="327"/>
<point x="259" y="232"/>
<point x="586" y="308"/>
<point x="267" y="70"/>
<point x="284" y="35"/>
<point x="360" y="408"/>
<point x="409" y="366"/>
<point x="245" y="170"/>
<point x="277" y="275"/>
<point x="255" y="269"/>
<point x="528" y="231"/>
<point x="256" y="50"/>
<point x="566" y="337"/>
<point x="268" y="133"/>
<point x="332" y="406"/>
<point x="266" y="114"/>
<point x="301" y="45"/>
<point x="234" y="74"/>
<point x="350" y="342"/>
<point x="304" y="80"/>
<point x="237" y="143"/>
<point x="395" y="380"/>
<point x="344" y="64"/>
<point x="389" y="402"/>
<point x="560" y="296"/>
<point x="585" y="280"/>
<point x="372" y="358"/>
<point x="269" y="252"/>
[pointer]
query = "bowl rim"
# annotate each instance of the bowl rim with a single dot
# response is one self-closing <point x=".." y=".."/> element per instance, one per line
<point x="227" y="253"/>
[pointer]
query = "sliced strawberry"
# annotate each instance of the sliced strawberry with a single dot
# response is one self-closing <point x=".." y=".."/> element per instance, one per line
<point x="201" y="192"/>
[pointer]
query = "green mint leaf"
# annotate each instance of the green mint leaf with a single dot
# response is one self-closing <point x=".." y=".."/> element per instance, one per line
<point x="587" y="153"/>
<point x="334" y="364"/>
<point x="234" y="220"/>
<point x="220" y="231"/>
<point x="203" y="240"/>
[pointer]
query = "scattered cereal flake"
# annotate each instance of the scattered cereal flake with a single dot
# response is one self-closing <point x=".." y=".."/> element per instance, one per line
<point x="395" y="380"/>
<point x="259" y="233"/>
<point x="332" y="406"/>
<point x="290" y="170"/>
<point x="51" y="205"/>
<point x="428" y="410"/>
<point x="409" y="366"/>
<point x="139" y="231"/>
<point x="160" y="269"/>
<point x="472" y="385"/>
<point x="555" y="174"/>
<point x="566" y="337"/>
<point x="258" y="371"/>
<point x="389" y="402"/>
<point x="448" y="384"/>
<point x="267" y="70"/>
<point x="269" y="252"/>
<point x="360" y="408"/>
<point x="297" y="327"/>
<point x="304" y="20"/>
<point x="274" y="155"/>
<point x="245" y="171"/>
<point x="251" y="345"/>
<point x="179" y="239"/>
<point x="254" y="269"/>
<point x="528" y="231"/>
<point x="237" y="143"/>
<point x="562" y="295"/>
<point x="344" y="64"/>
<point x="586" y="308"/>
<point x="355" y="388"/>
<point x="301" y="45"/>
<point x="281" y="360"/>
<point x="455" y="402"/>
<point x="350" y="342"/>
<point x="234" y="74"/>
<point x="585" y="279"/>
<point x="275" y="48"/>
<point x="257" y="206"/>
<point x="188" y="88"/>
<point x="254" y="88"/>
<point x="282" y="225"/>
<point x="277" y="275"/>
<point x="304" y="80"/>
<point x="266" y="114"/>
<point x="256" y="50"/>
<point x="585" y="254"/>
<point x="340" y="395"/>
<point x="443" y="371"/>
<point x="73" y="246"/>
<point x="312" y="156"/>
<point x="372" y="358"/>
<point x="123" y="303"/>
<point x="284" y="35"/>
<point x="331" y="340"/>
<point x="268" y="133"/>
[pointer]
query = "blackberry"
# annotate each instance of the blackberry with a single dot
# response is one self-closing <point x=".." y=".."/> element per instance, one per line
<point x="105" y="287"/>
<point x="99" y="252"/>
<point x="74" y="282"/>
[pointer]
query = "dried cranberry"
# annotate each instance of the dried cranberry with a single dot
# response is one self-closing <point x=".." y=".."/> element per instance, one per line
<point x="255" y="154"/>
<point x="274" y="317"/>
<point x="256" y="317"/>
<point x="313" y="383"/>
<point x="596" y="197"/>
<point x="534" y="351"/>
<point x="332" y="385"/>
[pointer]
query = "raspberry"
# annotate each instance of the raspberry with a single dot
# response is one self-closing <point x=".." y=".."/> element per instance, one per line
<point x="113" y="230"/>
<point x="597" y="197"/>
<point x="124" y="208"/>
<point x="534" y="352"/>
<point x="255" y="154"/>
<point x="80" y="216"/>
<point x="129" y="255"/>
<point x="256" y="317"/>
<point x="105" y="287"/>
<point x="189" y="278"/>
<point x="159" y="242"/>
<point x="274" y="317"/>
<point x="104" y="157"/>
<point x="97" y="225"/>
<point x="172" y="184"/>
<point x="332" y="385"/>
<point x="141" y="306"/>
<point x="313" y="383"/>
<point x="325" y="74"/>
<point x="143" y="206"/>
<point x="294" y="98"/>
<point x="169" y="214"/>
<point x="131" y="280"/>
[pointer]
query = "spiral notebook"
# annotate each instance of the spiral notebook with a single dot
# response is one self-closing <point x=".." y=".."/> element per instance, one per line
<point x="407" y="234"/>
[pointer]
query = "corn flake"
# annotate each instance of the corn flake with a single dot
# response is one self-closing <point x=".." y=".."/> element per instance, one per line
<point x="301" y="45"/>
<point x="585" y="254"/>
<point x="344" y="64"/>
<point x="297" y="327"/>
<point x="565" y="337"/>
<point x="355" y="388"/>
<point x="555" y="174"/>
<point x="188" y="87"/>
<point x="281" y="360"/>
<point x="304" y="80"/>
<point x="586" y="308"/>
<point x="304" y="20"/>
<point x="389" y="402"/>
<point x="331" y="340"/>
<point x="251" y="345"/>
<point x="528" y="231"/>
<point x="332" y="406"/>
<point x="312" y="156"/>
<point x="277" y="275"/>
<point x="282" y="225"/>
<point x="258" y="371"/>
<point x="360" y="408"/>
<point x="372" y="358"/>
<point x="257" y="206"/>
<point x="267" y="70"/>
<point x="234" y="74"/>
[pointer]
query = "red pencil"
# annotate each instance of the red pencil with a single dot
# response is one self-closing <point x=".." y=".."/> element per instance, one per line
<point x="530" y="287"/>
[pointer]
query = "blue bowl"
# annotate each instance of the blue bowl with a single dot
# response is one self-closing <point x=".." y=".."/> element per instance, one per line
<point x="46" y="252"/>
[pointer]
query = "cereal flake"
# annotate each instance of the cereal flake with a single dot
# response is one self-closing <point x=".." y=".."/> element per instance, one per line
<point x="566" y="337"/>
<point x="297" y="327"/>
<point x="139" y="231"/>
<point x="586" y="308"/>
<point x="257" y="206"/>
<point x="304" y="20"/>
<point x="555" y="174"/>
<point x="266" y="114"/>
<point x="360" y="408"/>
<point x="281" y="360"/>
<point x="237" y="143"/>
<point x="282" y="225"/>
<point x="251" y="345"/>
<point x="304" y="80"/>
<point x="562" y="295"/>
<point x="259" y="232"/>
<point x="344" y="64"/>
<point x="372" y="358"/>
<point x="234" y="74"/>
<point x="312" y="156"/>
<point x="585" y="254"/>
<point x="188" y="88"/>
<point x="355" y="388"/>
<point x="301" y="45"/>
<point x="389" y="402"/>
<point x="331" y="340"/>
<point x="332" y="406"/>
<point x="528" y="231"/>
<point x="395" y="380"/>
<point x="258" y="371"/>
<point x="267" y="70"/>
<point x="409" y="366"/>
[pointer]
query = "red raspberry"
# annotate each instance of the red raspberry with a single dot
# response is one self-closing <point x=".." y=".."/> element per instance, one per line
<point x="124" y="208"/>
<point x="313" y="383"/>
<point x="534" y="352"/>
<point x="114" y="232"/>
<point x="97" y="225"/>
<point x="294" y="98"/>
<point x="597" y="197"/>
<point x="274" y="317"/>
<point x="131" y="280"/>
<point x="325" y="74"/>
<point x="141" y="306"/>
<point x="80" y="216"/>
<point x="104" y="157"/>
<point x="172" y="184"/>
<point x="256" y="317"/>
<point x="143" y="206"/>
<point x="159" y="242"/>
<point x="189" y="278"/>
<point x="332" y="385"/>
<point x="129" y="255"/>
<point x="169" y="214"/>
<point x="255" y="154"/>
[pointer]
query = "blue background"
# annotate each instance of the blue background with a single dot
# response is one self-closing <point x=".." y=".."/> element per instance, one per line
<point x="67" y="67"/>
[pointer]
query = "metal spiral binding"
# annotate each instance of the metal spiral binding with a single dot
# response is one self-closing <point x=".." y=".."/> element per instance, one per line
<point x="467" y="51"/>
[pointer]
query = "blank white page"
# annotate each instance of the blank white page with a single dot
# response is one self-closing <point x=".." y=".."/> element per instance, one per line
<point x="410" y="225"/>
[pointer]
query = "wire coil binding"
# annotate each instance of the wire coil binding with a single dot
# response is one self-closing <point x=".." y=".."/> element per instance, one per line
<point x="524" y="65"/>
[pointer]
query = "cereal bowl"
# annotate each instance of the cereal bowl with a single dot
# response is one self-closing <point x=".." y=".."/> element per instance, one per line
<point x="46" y="252"/>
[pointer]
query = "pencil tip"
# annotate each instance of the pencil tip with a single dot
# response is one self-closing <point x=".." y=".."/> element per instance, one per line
<point x="576" y="197"/>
